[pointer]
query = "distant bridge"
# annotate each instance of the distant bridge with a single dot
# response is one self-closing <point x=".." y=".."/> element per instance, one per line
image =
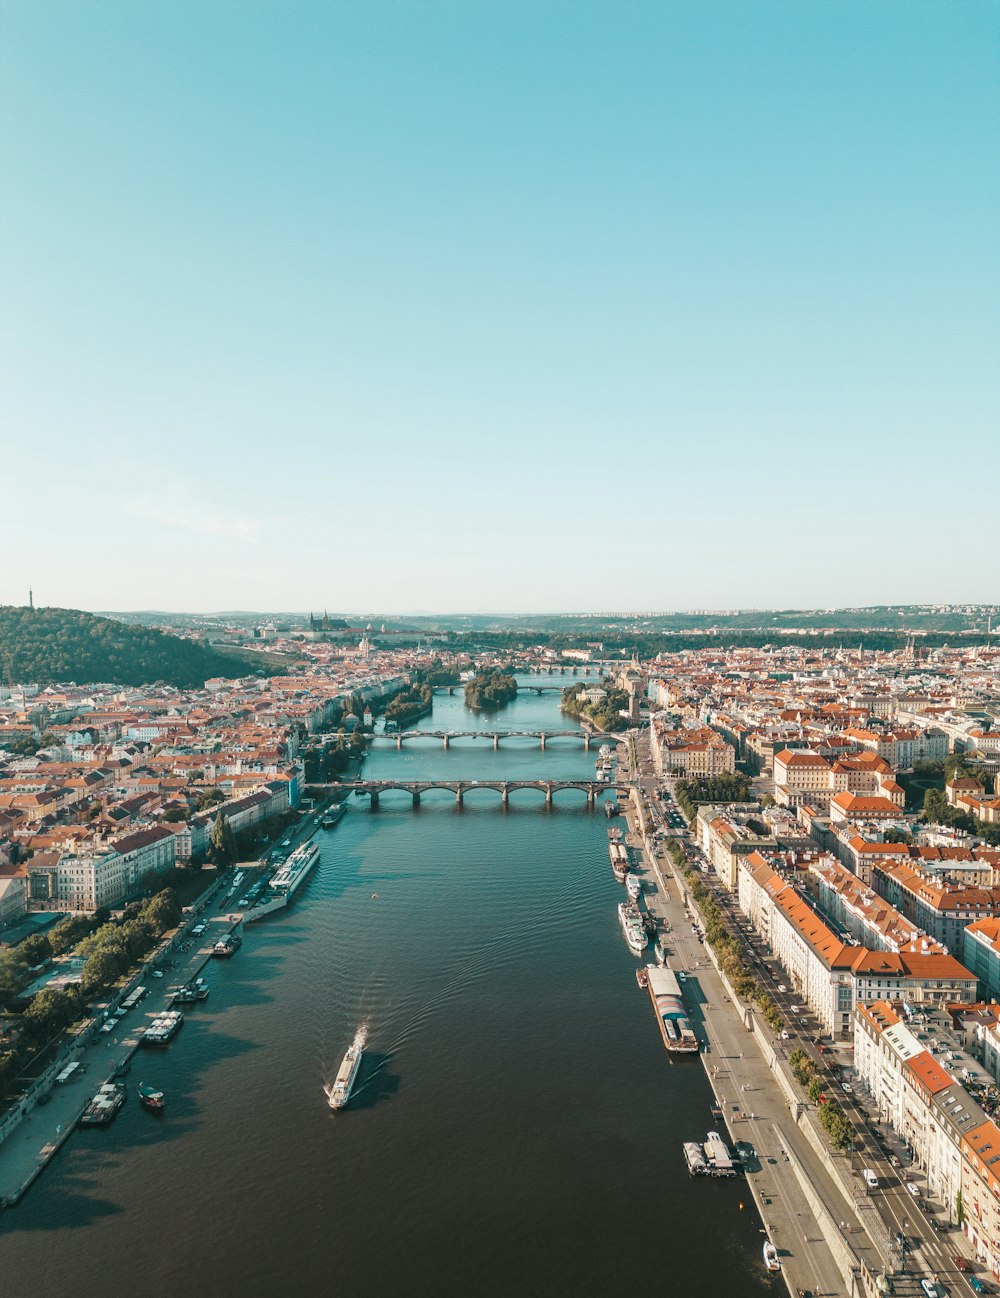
<point x="373" y="789"/>
<point x="543" y="736"/>
<point x="521" y="689"/>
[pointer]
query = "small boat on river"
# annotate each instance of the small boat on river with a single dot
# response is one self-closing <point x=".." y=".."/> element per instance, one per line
<point x="150" y="1097"/>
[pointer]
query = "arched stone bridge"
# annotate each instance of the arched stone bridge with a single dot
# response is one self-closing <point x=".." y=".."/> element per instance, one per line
<point x="374" y="788"/>
<point x="543" y="736"/>
<point x="521" y="689"/>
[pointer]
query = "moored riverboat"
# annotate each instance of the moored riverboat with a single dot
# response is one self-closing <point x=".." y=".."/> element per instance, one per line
<point x="632" y="928"/>
<point x="103" y="1107"/>
<point x="163" y="1028"/>
<point x="227" y="946"/>
<point x="668" y="1005"/>
<point x="334" y="816"/>
<point x="694" y="1156"/>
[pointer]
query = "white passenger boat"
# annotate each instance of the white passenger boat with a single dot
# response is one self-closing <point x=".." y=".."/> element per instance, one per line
<point x="771" y="1260"/>
<point x="339" y="1092"/>
<point x="631" y="922"/>
<point x="633" y="885"/>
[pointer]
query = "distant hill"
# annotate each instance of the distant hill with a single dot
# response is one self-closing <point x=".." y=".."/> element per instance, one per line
<point x="45" y="645"/>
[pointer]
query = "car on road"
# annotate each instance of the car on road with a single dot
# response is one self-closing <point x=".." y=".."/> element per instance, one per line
<point x="913" y="1189"/>
<point x="785" y="1036"/>
<point x="782" y="987"/>
<point x="871" y="1180"/>
<point x="930" y="1289"/>
<point x="796" y="1009"/>
<point x="847" y="1088"/>
<point x="962" y="1262"/>
<point x="976" y="1285"/>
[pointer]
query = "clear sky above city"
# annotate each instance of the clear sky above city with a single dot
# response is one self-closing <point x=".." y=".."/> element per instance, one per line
<point x="499" y="305"/>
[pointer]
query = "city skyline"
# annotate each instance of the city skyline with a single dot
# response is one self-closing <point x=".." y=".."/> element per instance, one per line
<point x="528" y="308"/>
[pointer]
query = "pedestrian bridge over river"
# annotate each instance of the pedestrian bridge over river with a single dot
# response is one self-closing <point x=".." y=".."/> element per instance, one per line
<point x="373" y="789"/>
<point x="543" y="736"/>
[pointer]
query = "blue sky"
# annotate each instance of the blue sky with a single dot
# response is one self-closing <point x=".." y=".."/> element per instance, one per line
<point x="499" y="305"/>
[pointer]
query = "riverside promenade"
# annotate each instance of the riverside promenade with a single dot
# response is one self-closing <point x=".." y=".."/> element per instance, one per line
<point x="822" y="1245"/>
<point x="42" y="1129"/>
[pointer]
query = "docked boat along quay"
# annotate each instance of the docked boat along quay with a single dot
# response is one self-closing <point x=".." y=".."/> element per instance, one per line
<point x="813" y="1234"/>
<point x="89" y="1083"/>
<point x="515" y="1090"/>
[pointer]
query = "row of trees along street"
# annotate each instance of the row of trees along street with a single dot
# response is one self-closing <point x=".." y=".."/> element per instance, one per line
<point x="111" y="947"/>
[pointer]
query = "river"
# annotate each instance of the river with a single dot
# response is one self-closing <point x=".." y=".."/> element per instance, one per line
<point x="517" y="1127"/>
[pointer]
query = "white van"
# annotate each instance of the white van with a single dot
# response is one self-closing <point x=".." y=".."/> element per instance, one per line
<point x="871" y="1180"/>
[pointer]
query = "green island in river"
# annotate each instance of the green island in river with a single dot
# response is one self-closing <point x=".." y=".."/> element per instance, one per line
<point x="490" y="688"/>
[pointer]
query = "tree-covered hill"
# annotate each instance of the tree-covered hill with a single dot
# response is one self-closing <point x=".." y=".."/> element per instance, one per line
<point x="45" y="645"/>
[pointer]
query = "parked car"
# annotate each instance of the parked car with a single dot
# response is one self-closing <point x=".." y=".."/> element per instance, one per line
<point x="913" y="1189"/>
<point x="846" y="1088"/>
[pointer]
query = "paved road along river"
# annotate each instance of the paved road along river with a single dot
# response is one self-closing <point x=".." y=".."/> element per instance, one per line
<point x="517" y="1127"/>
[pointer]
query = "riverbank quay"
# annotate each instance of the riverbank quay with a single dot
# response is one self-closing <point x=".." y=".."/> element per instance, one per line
<point x="902" y="1233"/>
<point x="43" y="1128"/>
<point x="34" y="1131"/>
<point x="822" y="1244"/>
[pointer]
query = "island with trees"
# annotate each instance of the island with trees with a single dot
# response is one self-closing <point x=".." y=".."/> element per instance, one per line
<point x="601" y="705"/>
<point x="490" y="688"/>
<point x="410" y="704"/>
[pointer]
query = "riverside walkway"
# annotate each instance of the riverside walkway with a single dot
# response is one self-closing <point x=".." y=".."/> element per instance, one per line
<point x="42" y="1129"/>
<point x="822" y="1244"/>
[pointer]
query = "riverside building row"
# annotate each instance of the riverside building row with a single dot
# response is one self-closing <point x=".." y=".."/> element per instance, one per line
<point x="130" y="781"/>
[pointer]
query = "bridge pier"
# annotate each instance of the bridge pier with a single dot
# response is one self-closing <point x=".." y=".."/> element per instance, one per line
<point x="548" y="795"/>
<point x="399" y="742"/>
<point x="416" y="798"/>
<point x="460" y="796"/>
<point x="496" y="742"/>
<point x="541" y="741"/>
<point x="591" y="797"/>
<point x="586" y="741"/>
<point x="447" y="741"/>
<point x="373" y="794"/>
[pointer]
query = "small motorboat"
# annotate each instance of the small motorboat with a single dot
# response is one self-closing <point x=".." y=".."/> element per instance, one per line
<point x="642" y="977"/>
<point x="150" y="1097"/>
<point x="771" y="1260"/>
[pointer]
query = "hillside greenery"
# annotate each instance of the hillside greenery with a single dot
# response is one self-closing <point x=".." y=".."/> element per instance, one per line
<point x="46" y="645"/>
